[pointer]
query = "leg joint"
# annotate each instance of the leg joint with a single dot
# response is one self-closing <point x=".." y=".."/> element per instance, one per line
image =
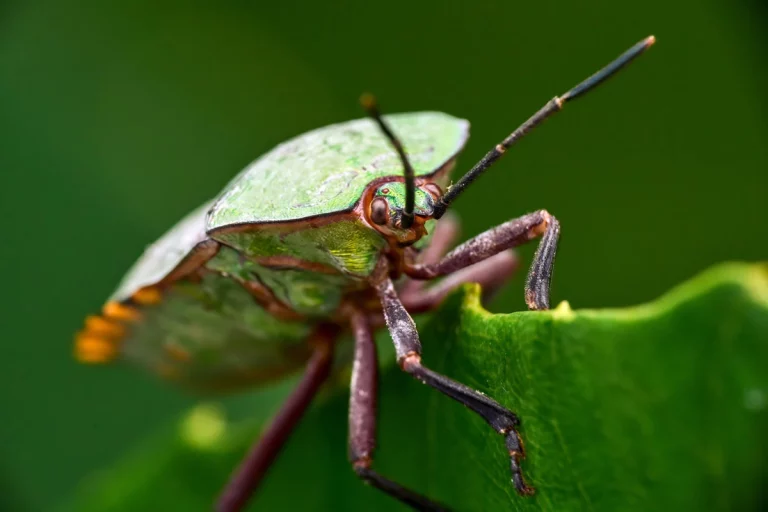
<point x="411" y="363"/>
<point x="541" y="227"/>
<point x="363" y="469"/>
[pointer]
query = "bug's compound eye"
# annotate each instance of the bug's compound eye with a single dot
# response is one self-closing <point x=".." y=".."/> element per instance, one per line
<point x="379" y="211"/>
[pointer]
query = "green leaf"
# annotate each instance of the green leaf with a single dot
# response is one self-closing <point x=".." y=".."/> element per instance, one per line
<point x="660" y="406"/>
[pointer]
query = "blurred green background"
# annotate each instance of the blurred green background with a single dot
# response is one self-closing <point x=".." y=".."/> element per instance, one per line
<point x="116" y="118"/>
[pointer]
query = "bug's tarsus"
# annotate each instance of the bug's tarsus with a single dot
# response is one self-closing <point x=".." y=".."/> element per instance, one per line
<point x="540" y="274"/>
<point x="397" y="491"/>
<point x="551" y="107"/>
<point x="502" y="420"/>
<point x="368" y="101"/>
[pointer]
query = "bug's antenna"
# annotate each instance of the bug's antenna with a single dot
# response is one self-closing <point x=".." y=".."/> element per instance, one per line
<point x="553" y="106"/>
<point x="368" y="101"/>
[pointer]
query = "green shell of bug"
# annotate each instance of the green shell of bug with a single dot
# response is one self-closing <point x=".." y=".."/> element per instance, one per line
<point x="211" y="332"/>
<point x="165" y="254"/>
<point x="321" y="172"/>
<point x="325" y="171"/>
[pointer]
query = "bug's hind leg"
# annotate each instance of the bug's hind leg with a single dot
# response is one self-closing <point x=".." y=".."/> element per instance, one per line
<point x="505" y="236"/>
<point x="252" y="469"/>
<point x="408" y="349"/>
<point x="362" y="418"/>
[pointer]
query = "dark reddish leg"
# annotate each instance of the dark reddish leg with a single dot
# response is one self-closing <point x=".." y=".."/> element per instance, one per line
<point x="362" y="418"/>
<point x="252" y="469"/>
<point x="408" y="349"/>
<point x="491" y="274"/>
<point x="446" y="233"/>
<point x="502" y="237"/>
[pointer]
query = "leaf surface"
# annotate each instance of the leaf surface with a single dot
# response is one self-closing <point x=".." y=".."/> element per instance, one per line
<point x="662" y="406"/>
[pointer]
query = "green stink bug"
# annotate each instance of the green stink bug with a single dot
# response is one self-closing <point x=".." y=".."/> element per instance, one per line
<point x="326" y="234"/>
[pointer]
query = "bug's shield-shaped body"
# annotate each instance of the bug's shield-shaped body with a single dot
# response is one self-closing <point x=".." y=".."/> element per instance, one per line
<point x="293" y="251"/>
<point x="229" y="296"/>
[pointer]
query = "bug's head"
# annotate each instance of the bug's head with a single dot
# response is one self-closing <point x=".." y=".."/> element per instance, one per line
<point x="385" y="207"/>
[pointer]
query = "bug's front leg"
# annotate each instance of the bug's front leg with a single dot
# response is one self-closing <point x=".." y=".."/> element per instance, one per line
<point x="491" y="274"/>
<point x="505" y="236"/>
<point x="408" y="349"/>
<point x="362" y="418"/>
<point x="446" y="232"/>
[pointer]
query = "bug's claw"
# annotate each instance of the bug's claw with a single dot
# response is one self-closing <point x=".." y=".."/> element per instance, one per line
<point x="516" y="453"/>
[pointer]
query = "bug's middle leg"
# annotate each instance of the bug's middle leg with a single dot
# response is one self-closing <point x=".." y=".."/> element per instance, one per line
<point x="505" y="236"/>
<point x="362" y="418"/>
<point x="408" y="349"/>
